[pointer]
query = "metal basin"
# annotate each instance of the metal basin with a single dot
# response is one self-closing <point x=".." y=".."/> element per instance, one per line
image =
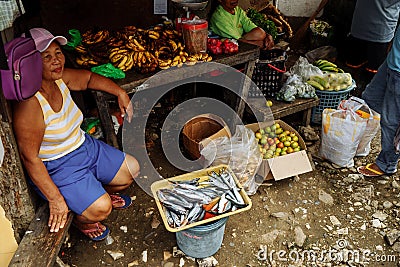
<point x="191" y="4"/>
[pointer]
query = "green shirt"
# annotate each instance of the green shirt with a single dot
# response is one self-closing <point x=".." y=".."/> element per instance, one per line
<point x="227" y="25"/>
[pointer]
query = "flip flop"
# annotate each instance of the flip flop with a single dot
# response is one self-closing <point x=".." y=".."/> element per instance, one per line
<point x="371" y="70"/>
<point x="368" y="171"/>
<point x="119" y="198"/>
<point x="97" y="228"/>
<point x="354" y="66"/>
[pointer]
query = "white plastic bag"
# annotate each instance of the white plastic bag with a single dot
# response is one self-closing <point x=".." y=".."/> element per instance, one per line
<point x="342" y="131"/>
<point x="240" y="152"/>
<point x="371" y="117"/>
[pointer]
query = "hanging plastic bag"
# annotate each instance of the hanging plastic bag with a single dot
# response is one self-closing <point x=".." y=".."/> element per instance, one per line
<point x="240" y="152"/>
<point x="74" y="41"/>
<point x="342" y="131"/>
<point x="109" y="71"/>
<point x="372" y="118"/>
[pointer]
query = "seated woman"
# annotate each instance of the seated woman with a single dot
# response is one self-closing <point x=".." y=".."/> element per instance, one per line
<point x="231" y="21"/>
<point x="69" y="168"/>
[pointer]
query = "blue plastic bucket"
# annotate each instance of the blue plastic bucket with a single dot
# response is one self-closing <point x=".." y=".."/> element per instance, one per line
<point x="202" y="241"/>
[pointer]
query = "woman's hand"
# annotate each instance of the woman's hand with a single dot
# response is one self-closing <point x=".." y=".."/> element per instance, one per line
<point x="58" y="215"/>
<point x="125" y="105"/>
<point x="268" y="42"/>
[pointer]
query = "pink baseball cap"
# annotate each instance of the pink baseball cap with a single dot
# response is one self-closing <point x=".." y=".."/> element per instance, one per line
<point x="43" y="38"/>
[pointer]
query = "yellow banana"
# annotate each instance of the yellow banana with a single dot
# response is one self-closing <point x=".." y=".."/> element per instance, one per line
<point x="164" y="67"/>
<point x="174" y="63"/>
<point x="140" y="47"/>
<point x="123" y="61"/>
<point x="173" y="45"/>
<point x="154" y="35"/>
<point x="80" y="49"/>
<point x="177" y="58"/>
<point x="139" y="58"/>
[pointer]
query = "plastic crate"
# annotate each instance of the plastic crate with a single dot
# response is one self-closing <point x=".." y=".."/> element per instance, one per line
<point x="203" y="175"/>
<point x="268" y="73"/>
<point x="329" y="99"/>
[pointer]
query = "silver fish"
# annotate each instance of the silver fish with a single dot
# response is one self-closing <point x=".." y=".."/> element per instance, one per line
<point x="194" y="213"/>
<point x="174" y="208"/>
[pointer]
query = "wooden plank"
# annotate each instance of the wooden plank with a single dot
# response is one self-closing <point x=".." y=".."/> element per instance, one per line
<point x="241" y="104"/>
<point x="105" y="119"/>
<point x="281" y="109"/>
<point x="39" y="239"/>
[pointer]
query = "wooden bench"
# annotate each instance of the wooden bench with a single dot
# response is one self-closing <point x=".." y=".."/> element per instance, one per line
<point x="39" y="247"/>
<point x="281" y="109"/>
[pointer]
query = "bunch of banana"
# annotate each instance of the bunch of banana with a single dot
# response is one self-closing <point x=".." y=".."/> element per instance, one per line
<point x="121" y="58"/>
<point x="91" y="37"/>
<point x="86" y="61"/>
<point x="318" y="82"/>
<point x="326" y="65"/>
<point x="200" y="57"/>
<point x="144" y="61"/>
<point x="116" y="40"/>
<point x="331" y="81"/>
<point x="99" y="52"/>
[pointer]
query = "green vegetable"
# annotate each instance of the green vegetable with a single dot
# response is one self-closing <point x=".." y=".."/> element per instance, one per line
<point x="259" y="19"/>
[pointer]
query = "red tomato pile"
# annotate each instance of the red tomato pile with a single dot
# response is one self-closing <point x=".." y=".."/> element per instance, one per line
<point x="218" y="47"/>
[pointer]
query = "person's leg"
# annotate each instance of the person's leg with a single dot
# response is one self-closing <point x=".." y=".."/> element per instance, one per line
<point x="90" y="202"/>
<point x="113" y="168"/>
<point x="89" y="222"/>
<point x="125" y="175"/>
<point x="376" y="55"/>
<point x="355" y="52"/>
<point x="390" y="117"/>
<point x="374" y="93"/>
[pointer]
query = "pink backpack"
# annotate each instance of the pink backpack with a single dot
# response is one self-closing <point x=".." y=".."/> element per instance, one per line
<point x="24" y="76"/>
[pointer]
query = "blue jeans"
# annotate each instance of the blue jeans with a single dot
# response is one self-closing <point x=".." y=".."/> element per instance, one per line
<point x="383" y="95"/>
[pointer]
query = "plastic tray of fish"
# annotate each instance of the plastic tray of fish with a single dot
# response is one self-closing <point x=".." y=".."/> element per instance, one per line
<point x="199" y="197"/>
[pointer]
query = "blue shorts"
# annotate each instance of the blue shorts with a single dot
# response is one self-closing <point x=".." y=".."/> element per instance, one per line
<point x="81" y="174"/>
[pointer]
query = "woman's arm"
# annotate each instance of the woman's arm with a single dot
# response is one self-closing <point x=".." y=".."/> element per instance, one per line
<point x="258" y="37"/>
<point x="78" y="79"/>
<point x="29" y="130"/>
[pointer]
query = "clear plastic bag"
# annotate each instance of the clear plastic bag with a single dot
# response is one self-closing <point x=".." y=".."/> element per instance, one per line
<point x="304" y="69"/>
<point x="295" y="87"/>
<point x="240" y="152"/>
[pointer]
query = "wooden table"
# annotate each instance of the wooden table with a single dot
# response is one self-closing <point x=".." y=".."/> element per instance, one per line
<point x="281" y="109"/>
<point x="247" y="55"/>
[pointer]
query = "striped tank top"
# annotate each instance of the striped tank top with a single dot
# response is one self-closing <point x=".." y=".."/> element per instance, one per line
<point x="63" y="133"/>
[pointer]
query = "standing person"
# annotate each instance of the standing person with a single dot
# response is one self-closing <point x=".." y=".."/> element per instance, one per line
<point x="70" y="169"/>
<point x="382" y="94"/>
<point x="230" y="21"/>
<point x="372" y="29"/>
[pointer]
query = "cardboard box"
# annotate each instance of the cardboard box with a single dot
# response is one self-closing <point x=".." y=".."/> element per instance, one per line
<point x="198" y="129"/>
<point x="202" y="174"/>
<point x="287" y="165"/>
<point x="280" y="167"/>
